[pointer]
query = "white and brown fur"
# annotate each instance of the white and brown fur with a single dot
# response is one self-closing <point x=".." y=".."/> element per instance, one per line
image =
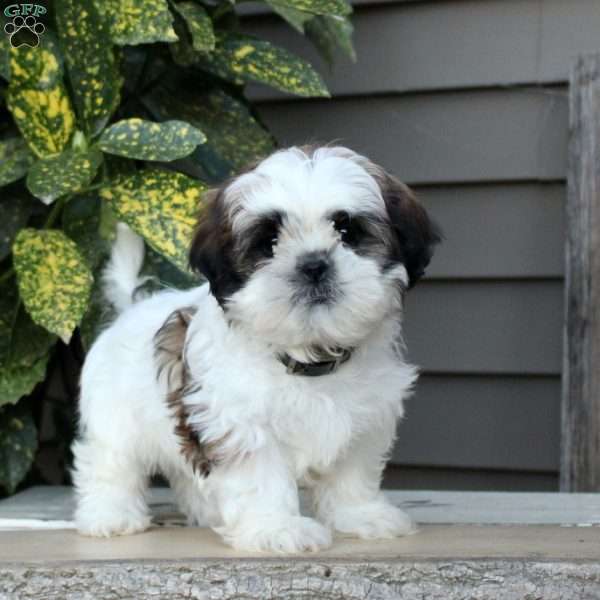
<point x="309" y="252"/>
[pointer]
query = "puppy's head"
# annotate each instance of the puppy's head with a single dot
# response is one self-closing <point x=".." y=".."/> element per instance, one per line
<point x="312" y="247"/>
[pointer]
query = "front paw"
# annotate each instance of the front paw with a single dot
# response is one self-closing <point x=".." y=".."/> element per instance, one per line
<point x="279" y="534"/>
<point x="375" y="520"/>
<point x="104" y="523"/>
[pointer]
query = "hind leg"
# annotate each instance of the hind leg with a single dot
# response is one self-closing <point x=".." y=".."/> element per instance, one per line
<point x="111" y="487"/>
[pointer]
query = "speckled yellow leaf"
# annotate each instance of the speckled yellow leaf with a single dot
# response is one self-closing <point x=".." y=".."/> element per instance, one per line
<point x="91" y="61"/>
<point x="145" y="140"/>
<point x="317" y="7"/>
<point x="235" y="138"/>
<point x="162" y="207"/>
<point x="241" y="58"/>
<point x="68" y="172"/>
<point x="199" y="25"/>
<point x="138" y="21"/>
<point x="15" y="159"/>
<point x="54" y="279"/>
<point x="18" y="443"/>
<point x="38" y="68"/>
<point x="37" y="97"/>
<point x="44" y="117"/>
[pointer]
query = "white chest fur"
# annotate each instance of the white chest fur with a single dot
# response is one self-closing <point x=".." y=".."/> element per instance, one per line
<point x="246" y="394"/>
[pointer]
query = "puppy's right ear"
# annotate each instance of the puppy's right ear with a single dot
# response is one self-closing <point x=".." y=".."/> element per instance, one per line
<point x="212" y="249"/>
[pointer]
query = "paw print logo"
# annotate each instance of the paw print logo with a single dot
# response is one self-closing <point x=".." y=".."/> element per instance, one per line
<point x="24" y="31"/>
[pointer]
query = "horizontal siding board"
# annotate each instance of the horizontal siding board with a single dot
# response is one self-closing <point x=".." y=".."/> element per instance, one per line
<point x="569" y="29"/>
<point x="485" y="327"/>
<point x="482" y="422"/>
<point x="440" y="45"/>
<point x="502" y="231"/>
<point x="492" y="135"/>
<point x="424" y="478"/>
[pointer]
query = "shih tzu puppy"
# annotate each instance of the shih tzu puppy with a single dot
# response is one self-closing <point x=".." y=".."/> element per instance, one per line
<point x="284" y="370"/>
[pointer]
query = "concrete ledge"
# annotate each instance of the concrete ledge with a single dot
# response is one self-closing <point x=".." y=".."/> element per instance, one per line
<point x="558" y="557"/>
<point x="298" y="579"/>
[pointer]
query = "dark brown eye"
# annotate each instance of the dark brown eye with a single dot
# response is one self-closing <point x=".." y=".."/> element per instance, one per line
<point x="349" y="229"/>
<point x="268" y="243"/>
<point x="266" y="236"/>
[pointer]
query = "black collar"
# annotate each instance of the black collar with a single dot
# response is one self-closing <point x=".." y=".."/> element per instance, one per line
<point x="315" y="369"/>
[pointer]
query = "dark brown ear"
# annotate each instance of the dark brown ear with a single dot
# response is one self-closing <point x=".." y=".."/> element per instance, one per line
<point x="415" y="233"/>
<point x="212" y="249"/>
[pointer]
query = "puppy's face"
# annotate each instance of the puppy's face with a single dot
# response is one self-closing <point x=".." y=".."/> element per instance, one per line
<point x="312" y="248"/>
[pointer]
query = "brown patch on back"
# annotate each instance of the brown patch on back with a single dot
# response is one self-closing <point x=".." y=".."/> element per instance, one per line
<point x="169" y="342"/>
<point x="169" y="352"/>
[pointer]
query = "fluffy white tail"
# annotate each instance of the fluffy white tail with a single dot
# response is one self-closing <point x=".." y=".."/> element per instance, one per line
<point x="121" y="276"/>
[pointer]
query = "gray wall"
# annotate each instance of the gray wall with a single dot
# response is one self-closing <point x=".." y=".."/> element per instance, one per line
<point x="466" y="100"/>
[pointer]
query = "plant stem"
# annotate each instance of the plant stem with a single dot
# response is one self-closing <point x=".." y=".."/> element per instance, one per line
<point x="53" y="215"/>
<point x="55" y="212"/>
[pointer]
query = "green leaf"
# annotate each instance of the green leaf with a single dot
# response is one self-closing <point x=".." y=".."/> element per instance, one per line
<point x="329" y="34"/>
<point x="108" y="219"/>
<point x="69" y="172"/>
<point x="199" y="25"/>
<point x="163" y="274"/>
<point x="296" y="18"/>
<point x="30" y="342"/>
<point x="18" y="443"/>
<point x="97" y="315"/>
<point x="241" y="58"/>
<point x="138" y="21"/>
<point x="16" y="382"/>
<point x="235" y="137"/>
<point x="54" y="279"/>
<point x="182" y="51"/>
<point x="23" y="347"/>
<point x="81" y="218"/>
<point x="145" y="140"/>
<point x="9" y="305"/>
<point x="44" y="117"/>
<point x="317" y="7"/>
<point x="14" y="213"/>
<point x="37" y="68"/>
<point x="91" y="61"/>
<point x="4" y="57"/>
<point x="162" y="207"/>
<point x="15" y="159"/>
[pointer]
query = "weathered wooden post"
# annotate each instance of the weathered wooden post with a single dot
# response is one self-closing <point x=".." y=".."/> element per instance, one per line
<point x="580" y="452"/>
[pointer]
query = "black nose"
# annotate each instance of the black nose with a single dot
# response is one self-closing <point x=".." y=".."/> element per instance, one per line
<point x="314" y="266"/>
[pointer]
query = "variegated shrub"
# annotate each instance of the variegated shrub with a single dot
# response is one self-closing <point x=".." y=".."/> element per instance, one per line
<point x="125" y="110"/>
